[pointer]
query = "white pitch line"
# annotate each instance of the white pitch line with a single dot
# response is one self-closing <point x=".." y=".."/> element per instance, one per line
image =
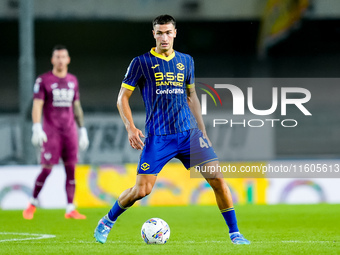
<point x="35" y="236"/>
<point x="291" y="241"/>
<point x="297" y="241"/>
<point x="191" y="242"/>
<point x="44" y="236"/>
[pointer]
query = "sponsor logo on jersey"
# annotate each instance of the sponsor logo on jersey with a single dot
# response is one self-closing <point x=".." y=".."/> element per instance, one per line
<point x="145" y="166"/>
<point x="180" y="66"/>
<point x="153" y="67"/>
<point x="62" y="97"/>
<point x="169" y="91"/>
<point x="169" y="79"/>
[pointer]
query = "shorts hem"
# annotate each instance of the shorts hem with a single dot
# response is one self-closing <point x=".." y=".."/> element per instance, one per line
<point x="147" y="174"/>
<point x="204" y="162"/>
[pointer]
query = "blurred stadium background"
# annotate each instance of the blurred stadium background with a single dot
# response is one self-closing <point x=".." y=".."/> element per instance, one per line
<point x="251" y="39"/>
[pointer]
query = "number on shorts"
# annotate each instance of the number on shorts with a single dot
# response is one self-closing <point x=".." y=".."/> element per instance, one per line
<point x="203" y="144"/>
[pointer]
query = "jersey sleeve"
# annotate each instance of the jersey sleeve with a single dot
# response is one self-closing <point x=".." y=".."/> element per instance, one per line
<point x="133" y="74"/>
<point x="190" y="81"/>
<point x="39" y="91"/>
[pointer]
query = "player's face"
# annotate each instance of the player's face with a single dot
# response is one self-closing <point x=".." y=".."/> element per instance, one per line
<point x="60" y="59"/>
<point x="164" y="35"/>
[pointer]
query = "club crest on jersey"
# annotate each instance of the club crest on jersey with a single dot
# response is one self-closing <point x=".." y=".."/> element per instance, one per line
<point x="145" y="166"/>
<point x="180" y="66"/>
<point x="70" y="85"/>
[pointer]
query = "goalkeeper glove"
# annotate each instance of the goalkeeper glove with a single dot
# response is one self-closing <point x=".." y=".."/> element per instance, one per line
<point x="83" y="139"/>
<point x="38" y="136"/>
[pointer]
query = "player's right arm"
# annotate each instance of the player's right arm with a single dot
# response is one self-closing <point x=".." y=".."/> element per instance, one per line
<point x="37" y="110"/>
<point x="134" y="134"/>
<point x="38" y="136"/>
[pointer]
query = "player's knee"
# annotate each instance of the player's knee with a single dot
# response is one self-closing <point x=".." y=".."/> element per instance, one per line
<point x="218" y="184"/>
<point x="143" y="191"/>
<point x="140" y="194"/>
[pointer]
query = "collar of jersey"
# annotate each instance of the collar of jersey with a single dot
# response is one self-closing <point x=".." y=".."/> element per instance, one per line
<point x="168" y="58"/>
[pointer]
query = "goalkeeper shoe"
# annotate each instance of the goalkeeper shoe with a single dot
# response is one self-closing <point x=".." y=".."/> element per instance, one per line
<point x="237" y="238"/>
<point x="102" y="230"/>
<point x="75" y="215"/>
<point x="29" y="212"/>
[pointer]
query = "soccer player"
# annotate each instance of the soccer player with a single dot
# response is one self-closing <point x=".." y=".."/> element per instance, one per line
<point x="56" y="97"/>
<point x="174" y="126"/>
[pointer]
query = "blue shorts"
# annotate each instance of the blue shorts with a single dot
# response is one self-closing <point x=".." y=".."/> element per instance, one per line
<point x="190" y="147"/>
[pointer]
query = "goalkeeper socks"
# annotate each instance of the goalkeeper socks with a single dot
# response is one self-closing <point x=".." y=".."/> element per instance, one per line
<point x="70" y="207"/>
<point x="34" y="201"/>
<point x="116" y="210"/>
<point x="70" y="185"/>
<point x="229" y="216"/>
<point x="39" y="183"/>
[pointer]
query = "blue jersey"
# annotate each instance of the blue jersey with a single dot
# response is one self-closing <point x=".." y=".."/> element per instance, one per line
<point x="163" y="82"/>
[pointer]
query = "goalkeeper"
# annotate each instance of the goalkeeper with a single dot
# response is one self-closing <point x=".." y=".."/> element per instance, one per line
<point x="56" y="98"/>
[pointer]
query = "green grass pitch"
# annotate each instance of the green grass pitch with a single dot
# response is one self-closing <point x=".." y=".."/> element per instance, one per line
<point x="272" y="229"/>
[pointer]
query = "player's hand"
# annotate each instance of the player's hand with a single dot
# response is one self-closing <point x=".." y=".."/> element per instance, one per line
<point x="134" y="138"/>
<point x="83" y="139"/>
<point x="38" y="136"/>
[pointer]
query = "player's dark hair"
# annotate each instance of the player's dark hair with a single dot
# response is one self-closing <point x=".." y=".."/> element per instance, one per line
<point x="164" y="19"/>
<point x="59" y="47"/>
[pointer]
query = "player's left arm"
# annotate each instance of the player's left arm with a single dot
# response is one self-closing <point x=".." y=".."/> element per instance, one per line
<point x="78" y="113"/>
<point x="195" y="108"/>
<point x="79" y="118"/>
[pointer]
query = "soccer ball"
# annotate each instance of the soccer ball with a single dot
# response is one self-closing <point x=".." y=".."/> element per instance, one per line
<point x="155" y="231"/>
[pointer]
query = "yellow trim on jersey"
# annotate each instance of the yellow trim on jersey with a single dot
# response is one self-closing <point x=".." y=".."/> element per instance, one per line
<point x="127" y="86"/>
<point x="168" y="58"/>
<point x="189" y="86"/>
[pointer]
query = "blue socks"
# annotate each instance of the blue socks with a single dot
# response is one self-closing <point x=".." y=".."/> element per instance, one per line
<point x="116" y="210"/>
<point x="230" y="218"/>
